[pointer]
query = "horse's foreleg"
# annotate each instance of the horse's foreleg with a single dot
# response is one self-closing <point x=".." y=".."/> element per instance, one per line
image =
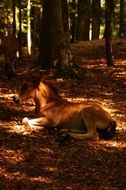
<point x="42" y="121"/>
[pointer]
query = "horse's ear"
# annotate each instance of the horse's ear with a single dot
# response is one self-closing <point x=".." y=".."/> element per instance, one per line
<point x="37" y="81"/>
<point x="34" y="81"/>
<point x="43" y="78"/>
<point x="38" y="78"/>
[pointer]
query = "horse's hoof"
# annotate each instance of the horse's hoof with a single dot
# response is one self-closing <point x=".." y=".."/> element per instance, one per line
<point x="25" y="121"/>
<point x="65" y="137"/>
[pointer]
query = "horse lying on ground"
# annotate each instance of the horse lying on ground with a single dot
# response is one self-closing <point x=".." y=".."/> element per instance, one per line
<point x="75" y="119"/>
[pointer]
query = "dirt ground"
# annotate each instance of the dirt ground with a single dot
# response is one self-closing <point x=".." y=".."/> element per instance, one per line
<point x="36" y="160"/>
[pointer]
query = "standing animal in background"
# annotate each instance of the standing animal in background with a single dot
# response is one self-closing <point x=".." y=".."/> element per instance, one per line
<point x="8" y="49"/>
<point x="76" y="119"/>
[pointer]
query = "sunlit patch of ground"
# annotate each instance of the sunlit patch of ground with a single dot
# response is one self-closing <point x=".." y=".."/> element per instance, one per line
<point x="11" y="156"/>
<point x="17" y="176"/>
<point x="22" y="129"/>
<point x="114" y="143"/>
<point x="25" y="129"/>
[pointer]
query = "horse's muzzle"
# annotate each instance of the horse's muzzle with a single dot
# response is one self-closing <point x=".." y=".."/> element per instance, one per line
<point x="16" y="99"/>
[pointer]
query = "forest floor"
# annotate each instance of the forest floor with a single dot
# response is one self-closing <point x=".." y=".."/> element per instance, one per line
<point x="34" y="159"/>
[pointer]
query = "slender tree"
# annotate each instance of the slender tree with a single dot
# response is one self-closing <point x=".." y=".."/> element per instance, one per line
<point x="108" y="30"/>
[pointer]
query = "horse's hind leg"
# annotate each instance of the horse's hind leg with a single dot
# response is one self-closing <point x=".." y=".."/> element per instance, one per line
<point x="87" y="136"/>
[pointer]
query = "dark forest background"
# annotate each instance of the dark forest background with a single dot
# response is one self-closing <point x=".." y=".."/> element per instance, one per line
<point x="51" y="26"/>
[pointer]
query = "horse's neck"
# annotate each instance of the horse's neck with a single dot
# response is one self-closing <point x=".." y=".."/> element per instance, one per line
<point x="45" y="98"/>
<point x="40" y="102"/>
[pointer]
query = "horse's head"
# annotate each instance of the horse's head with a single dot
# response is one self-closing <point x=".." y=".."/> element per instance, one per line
<point x="39" y="90"/>
<point x="27" y="90"/>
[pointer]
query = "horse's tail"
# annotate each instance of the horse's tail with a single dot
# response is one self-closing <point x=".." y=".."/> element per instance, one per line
<point x="109" y="132"/>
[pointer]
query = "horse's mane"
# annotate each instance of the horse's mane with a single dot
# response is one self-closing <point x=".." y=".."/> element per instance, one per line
<point x="54" y="89"/>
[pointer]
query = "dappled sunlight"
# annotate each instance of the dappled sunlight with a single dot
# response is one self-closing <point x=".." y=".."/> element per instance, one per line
<point x="47" y="150"/>
<point x="50" y="169"/>
<point x="42" y="179"/>
<point x="24" y="129"/>
<point x="121" y="74"/>
<point x="113" y="144"/>
<point x="77" y="99"/>
<point x="33" y="158"/>
<point x="7" y="96"/>
<point x="14" y="127"/>
<point x="11" y="175"/>
<point x="23" y="163"/>
<point x="104" y="103"/>
<point x="17" y="176"/>
<point x="21" y="129"/>
<point x="11" y="156"/>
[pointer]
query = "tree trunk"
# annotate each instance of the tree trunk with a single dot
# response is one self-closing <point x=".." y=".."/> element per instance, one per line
<point x="65" y="20"/>
<point x="7" y="16"/>
<point x="73" y="21"/>
<point x="83" y="20"/>
<point x="29" y="27"/>
<point x="108" y="30"/>
<point x="62" y="45"/>
<point x="65" y="16"/>
<point x="14" y="18"/>
<point x="45" y="45"/>
<point x="20" y="31"/>
<point x="34" y="27"/>
<point x="124" y="22"/>
<point x="96" y="19"/>
<point x="121" y="23"/>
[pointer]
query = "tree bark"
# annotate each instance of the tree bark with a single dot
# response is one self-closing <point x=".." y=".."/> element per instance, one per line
<point x="73" y="21"/>
<point x="45" y="45"/>
<point x="108" y="30"/>
<point x="20" y="31"/>
<point x="121" y="23"/>
<point x="64" y="54"/>
<point x="29" y="43"/>
<point x="65" y="16"/>
<point x="96" y="19"/>
<point x="83" y="20"/>
<point x="14" y="18"/>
